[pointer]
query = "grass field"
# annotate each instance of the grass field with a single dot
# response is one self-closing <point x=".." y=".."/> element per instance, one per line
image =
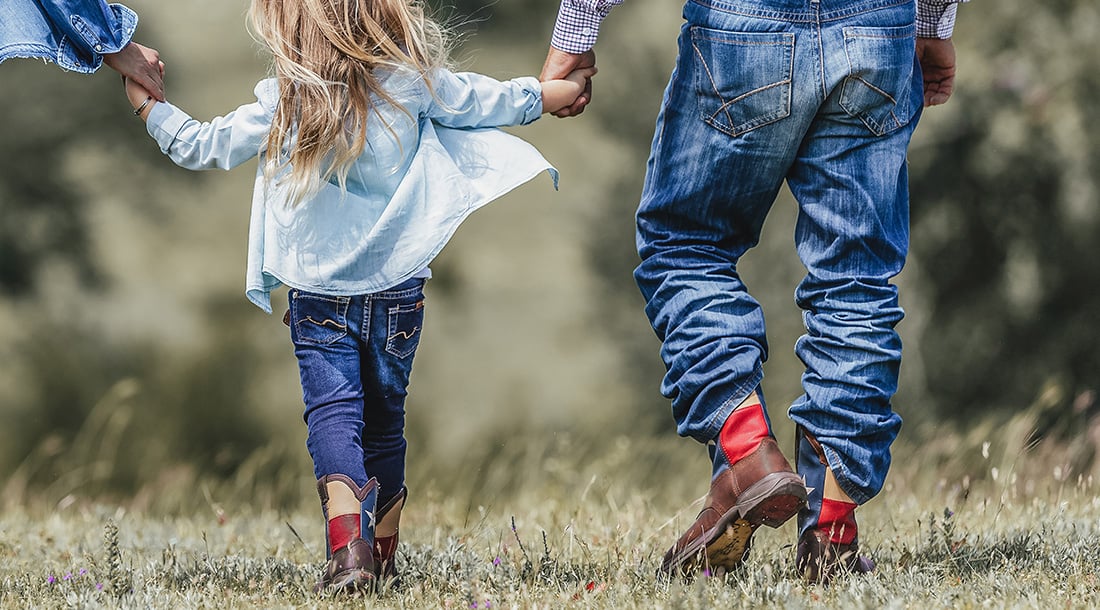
<point x="991" y="518"/>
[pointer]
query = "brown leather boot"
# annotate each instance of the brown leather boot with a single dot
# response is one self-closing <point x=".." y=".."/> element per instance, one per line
<point x="385" y="547"/>
<point x="819" y="561"/>
<point x="759" y="489"/>
<point x="351" y="566"/>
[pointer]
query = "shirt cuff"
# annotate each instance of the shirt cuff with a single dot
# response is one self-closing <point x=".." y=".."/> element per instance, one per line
<point x="576" y="29"/>
<point x="533" y="88"/>
<point x="164" y="123"/>
<point x="109" y="37"/>
<point x="936" y="20"/>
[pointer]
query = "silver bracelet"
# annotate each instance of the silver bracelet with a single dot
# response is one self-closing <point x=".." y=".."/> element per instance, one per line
<point x="143" y="105"/>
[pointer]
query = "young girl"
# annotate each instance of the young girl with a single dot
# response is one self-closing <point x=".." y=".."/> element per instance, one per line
<point x="370" y="157"/>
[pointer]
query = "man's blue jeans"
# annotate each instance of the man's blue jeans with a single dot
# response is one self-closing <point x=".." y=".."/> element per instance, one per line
<point x="355" y="355"/>
<point x="825" y="95"/>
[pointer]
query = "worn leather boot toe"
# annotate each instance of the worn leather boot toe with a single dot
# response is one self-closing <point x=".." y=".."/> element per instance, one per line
<point x="760" y="489"/>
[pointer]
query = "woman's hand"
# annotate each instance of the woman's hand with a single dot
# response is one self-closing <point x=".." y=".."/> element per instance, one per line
<point x="140" y="64"/>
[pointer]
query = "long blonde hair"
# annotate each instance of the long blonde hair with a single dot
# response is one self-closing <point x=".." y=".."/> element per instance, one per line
<point x="327" y="55"/>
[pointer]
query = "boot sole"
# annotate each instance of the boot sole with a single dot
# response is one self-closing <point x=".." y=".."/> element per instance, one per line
<point x="351" y="581"/>
<point x="770" y="501"/>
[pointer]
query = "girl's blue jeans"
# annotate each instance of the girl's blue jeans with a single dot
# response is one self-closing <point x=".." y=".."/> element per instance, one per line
<point x="822" y="94"/>
<point x="355" y="355"/>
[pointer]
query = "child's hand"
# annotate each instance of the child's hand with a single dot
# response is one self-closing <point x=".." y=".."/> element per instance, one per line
<point x="561" y="93"/>
<point x="140" y="98"/>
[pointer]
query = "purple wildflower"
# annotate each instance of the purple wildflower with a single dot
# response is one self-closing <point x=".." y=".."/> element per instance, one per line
<point x="496" y="561"/>
<point x="69" y="576"/>
<point x="50" y="579"/>
<point x="99" y="586"/>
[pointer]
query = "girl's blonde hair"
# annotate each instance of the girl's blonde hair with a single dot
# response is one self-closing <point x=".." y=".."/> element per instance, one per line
<point x="327" y="56"/>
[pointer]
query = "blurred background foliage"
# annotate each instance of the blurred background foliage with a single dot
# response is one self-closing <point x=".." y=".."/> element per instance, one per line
<point x="133" y="363"/>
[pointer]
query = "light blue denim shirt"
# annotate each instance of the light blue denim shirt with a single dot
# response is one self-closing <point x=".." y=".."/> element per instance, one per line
<point x="406" y="194"/>
<point x="74" y="34"/>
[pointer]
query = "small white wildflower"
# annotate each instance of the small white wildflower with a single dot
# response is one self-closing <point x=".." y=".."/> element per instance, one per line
<point x="985" y="450"/>
<point x="994" y="472"/>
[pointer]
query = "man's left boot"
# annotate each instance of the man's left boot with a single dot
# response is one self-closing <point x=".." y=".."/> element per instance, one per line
<point x="828" y="544"/>
<point x="349" y="534"/>
<point x="752" y="484"/>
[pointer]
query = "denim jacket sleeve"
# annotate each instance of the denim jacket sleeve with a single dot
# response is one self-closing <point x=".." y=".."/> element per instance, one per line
<point x="467" y="99"/>
<point x="221" y="143"/>
<point x="93" y="27"/>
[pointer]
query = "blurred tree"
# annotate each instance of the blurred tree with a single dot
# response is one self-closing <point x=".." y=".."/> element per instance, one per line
<point x="195" y="408"/>
<point x="44" y="211"/>
<point x="1006" y="214"/>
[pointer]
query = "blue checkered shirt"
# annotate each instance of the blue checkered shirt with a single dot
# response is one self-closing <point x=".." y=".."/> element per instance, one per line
<point x="579" y="21"/>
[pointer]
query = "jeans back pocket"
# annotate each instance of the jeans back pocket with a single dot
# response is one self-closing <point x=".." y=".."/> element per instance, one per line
<point x="319" y="319"/>
<point x="405" y="324"/>
<point x="879" y="84"/>
<point x="743" y="79"/>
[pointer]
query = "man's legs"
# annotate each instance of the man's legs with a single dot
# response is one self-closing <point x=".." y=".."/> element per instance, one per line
<point x="729" y="127"/>
<point x="852" y="235"/>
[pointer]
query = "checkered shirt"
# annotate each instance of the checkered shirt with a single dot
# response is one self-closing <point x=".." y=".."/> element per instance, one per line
<point x="579" y="21"/>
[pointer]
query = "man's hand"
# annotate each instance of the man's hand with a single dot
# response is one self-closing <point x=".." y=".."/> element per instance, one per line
<point x="937" y="62"/>
<point x="559" y="65"/>
<point x="140" y="64"/>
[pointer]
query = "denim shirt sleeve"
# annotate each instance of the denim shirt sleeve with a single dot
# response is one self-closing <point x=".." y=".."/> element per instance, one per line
<point x="93" y="27"/>
<point x="222" y="143"/>
<point x="467" y="99"/>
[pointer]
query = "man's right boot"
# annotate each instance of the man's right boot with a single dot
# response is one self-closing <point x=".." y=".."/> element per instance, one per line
<point x="349" y="538"/>
<point x="752" y="485"/>
<point x="828" y="542"/>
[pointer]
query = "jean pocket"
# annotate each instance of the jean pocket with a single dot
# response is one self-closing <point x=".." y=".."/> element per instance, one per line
<point x="878" y="88"/>
<point x="743" y="79"/>
<point x="319" y="319"/>
<point x="405" y="324"/>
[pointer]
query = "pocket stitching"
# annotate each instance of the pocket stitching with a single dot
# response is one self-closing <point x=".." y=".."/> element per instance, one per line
<point x="340" y="324"/>
<point x="875" y="126"/>
<point x="784" y="42"/>
<point x="394" y="315"/>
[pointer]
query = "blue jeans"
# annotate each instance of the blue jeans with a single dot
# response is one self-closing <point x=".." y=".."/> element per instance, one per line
<point x="823" y="94"/>
<point x="355" y="355"/>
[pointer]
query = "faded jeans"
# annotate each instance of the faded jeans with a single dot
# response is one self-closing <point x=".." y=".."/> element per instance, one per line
<point x="823" y="94"/>
<point x="355" y="355"/>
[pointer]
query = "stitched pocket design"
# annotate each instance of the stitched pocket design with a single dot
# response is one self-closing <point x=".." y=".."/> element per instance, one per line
<point x="879" y="85"/>
<point x="405" y="324"/>
<point x="743" y="79"/>
<point x="319" y="319"/>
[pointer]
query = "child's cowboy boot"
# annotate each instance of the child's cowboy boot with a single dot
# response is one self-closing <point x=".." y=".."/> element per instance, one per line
<point x="385" y="540"/>
<point x="827" y="541"/>
<point x="349" y="533"/>
<point x="752" y="484"/>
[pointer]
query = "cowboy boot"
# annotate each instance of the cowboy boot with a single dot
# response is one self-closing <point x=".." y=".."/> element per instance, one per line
<point x="827" y="541"/>
<point x="385" y="547"/>
<point x="349" y="536"/>
<point x="752" y="484"/>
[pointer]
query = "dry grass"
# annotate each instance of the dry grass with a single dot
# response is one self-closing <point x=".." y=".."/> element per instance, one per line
<point x="964" y="522"/>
